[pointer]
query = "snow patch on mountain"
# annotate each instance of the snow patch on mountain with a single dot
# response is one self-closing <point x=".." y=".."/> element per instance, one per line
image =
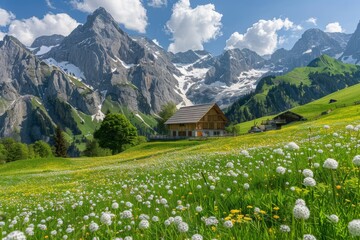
<point x="125" y="65"/>
<point x="247" y="83"/>
<point x="350" y="60"/>
<point x="67" y="67"/>
<point x="99" y="115"/>
<point x="44" y="49"/>
<point x="307" y="51"/>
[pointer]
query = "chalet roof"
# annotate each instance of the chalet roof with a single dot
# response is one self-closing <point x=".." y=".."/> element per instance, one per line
<point x="190" y="114"/>
<point x="289" y="114"/>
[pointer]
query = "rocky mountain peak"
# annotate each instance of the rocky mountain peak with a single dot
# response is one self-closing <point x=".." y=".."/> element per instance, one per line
<point x="101" y="19"/>
<point x="315" y="38"/>
<point x="47" y="41"/>
<point x="352" y="51"/>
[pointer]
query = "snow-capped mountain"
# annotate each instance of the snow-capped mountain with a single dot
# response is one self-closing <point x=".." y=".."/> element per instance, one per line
<point x="352" y="51"/>
<point x="68" y="80"/>
<point x="44" y="44"/>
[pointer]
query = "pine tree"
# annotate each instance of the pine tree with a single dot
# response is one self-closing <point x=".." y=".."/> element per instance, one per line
<point x="60" y="143"/>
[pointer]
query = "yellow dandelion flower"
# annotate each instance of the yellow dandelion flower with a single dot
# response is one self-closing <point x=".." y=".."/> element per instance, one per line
<point x="247" y="218"/>
<point x="276" y="217"/>
<point x="234" y="211"/>
<point x="276" y="208"/>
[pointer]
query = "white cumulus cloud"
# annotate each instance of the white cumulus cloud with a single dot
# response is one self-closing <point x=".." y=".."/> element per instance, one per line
<point x="27" y="30"/>
<point x="312" y="20"/>
<point x="192" y="27"/>
<point x="262" y="37"/>
<point x="5" y="17"/>
<point x="157" y="3"/>
<point x="131" y="13"/>
<point x="333" y="27"/>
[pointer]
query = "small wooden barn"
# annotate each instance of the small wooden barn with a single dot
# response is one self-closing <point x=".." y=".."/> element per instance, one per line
<point x="277" y="122"/>
<point x="197" y="121"/>
<point x="288" y="117"/>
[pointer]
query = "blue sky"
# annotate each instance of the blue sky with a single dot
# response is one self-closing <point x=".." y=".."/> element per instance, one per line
<point x="179" y="25"/>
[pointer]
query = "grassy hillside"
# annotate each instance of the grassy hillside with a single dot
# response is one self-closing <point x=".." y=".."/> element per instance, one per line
<point x="345" y="97"/>
<point x="243" y="187"/>
<point x="321" y="77"/>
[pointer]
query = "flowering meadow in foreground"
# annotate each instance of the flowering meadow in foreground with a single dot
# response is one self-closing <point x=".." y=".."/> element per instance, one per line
<point x="305" y="189"/>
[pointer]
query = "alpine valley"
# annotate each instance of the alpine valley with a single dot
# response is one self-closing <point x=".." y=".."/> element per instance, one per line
<point x="73" y="81"/>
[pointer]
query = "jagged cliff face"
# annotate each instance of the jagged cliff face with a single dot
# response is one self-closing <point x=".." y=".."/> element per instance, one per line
<point x="28" y="87"/>
<point x="352" y="51"/>
<point x="129" y="70"/>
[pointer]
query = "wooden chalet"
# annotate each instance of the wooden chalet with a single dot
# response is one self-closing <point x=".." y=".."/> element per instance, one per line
<point x="276" y="123"/>
<point x="288" y="117"/>
<point x="197" y="121"/>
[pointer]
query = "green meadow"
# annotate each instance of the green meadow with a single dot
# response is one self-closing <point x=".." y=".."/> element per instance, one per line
<point x="300" y="182"/>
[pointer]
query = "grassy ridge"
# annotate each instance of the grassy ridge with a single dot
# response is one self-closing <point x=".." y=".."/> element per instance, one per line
<point x="321" y="77"/>
<point x="344" y="97"/>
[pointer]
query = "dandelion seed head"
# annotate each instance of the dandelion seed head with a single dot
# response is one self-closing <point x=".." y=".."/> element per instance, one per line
<point x="330" y="164"/>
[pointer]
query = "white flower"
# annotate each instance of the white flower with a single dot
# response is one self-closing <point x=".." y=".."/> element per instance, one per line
<point x="128" y="238"/>
<point x="155" y="218"/>
<point x="279" y="151"/>
<point x="354" y="227"/>
<point x="198" y="209"/>
<point x="281" y="170"/>
<point x="211" y="221"/>
<point x="330" y="164"/>
<point x="29" y="231"/>
<point x="309" y="237"/>
<point x="144" y="224"/>
<point x="93" y="227"/>
<point x="230" y="165"/>
<point x="308" y="173"/>
<point x="284" y="228"/>
<point x="246" y="186"/>
<point x="301" y="212"/>
<point x="349" y="127"/>
<point x="333" y="218"/>
<point x="228" y="224"/>
<point x="126" y="214"/>
<point x="177" y="220"/>
<point x="15" y="235"/>
<point x="356" y="160"/>
<point x="300" y="202"/>
<point x="197" y="237"/>
<point x="326" y="127"/>
<point x="106" y="219"/>
<point x="292" y="146"/>
<point x="183" y="227"/>
<point x="53" y="232"/>
<point x="316" y="165"/>
<point x="245" y="153"/>
<point x="309" y="182"/>
<point x="115" y="205"/>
